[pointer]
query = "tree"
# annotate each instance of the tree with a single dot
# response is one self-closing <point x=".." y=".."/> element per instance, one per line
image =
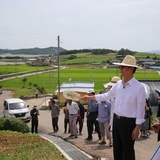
<point x="30" y="84"/>
<point x="24" y="80"/>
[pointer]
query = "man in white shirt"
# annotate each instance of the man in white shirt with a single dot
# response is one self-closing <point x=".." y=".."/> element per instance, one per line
<point x="129" y="109"/>
<point x="73" y="110"/>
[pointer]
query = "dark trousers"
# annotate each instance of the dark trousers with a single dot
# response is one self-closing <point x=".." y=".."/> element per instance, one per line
<point x="66" y="123"/>
<point x="91" y="120"/>
<point x="79" y="120"/>
<point x="34" y="126"/>
<point x="55" y="124"/>
<point x="123" y="145"/>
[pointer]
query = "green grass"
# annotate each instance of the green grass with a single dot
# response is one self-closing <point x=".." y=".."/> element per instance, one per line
<point x="5" y="69"/>
<point x="80" y="69"/>
<point x="18" y="146"/>
<point x="49" y="81"/>
<point x="88" y="58"/>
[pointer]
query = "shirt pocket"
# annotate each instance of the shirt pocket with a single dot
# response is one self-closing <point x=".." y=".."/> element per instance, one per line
<point x="129" y="99"/>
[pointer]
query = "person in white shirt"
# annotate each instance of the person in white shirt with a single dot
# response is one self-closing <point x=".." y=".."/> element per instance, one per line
<point x="73" y="110"/>
<point x="109" y="85"/>
<point x="129" y="109"/>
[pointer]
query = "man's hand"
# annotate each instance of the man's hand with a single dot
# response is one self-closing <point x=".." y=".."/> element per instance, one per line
<point x="156" y="127"/>
<point x="135" y="132"/>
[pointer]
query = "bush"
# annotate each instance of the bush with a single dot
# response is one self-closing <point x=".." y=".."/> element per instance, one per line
<point x="13" y="124"/>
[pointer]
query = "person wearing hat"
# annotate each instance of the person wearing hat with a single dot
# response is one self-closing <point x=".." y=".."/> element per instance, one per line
<point x="109" y="85"/>
<point x="129" y="109"/>
<point x="104" y="111"/>
<point x="55" y="111"/>
<point x="73" y="110"/>
<point x="34" y="119"/>
<point x="91" y="115"/>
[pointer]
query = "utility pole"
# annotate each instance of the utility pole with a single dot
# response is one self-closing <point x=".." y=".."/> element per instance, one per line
<point x="58" y="71"/>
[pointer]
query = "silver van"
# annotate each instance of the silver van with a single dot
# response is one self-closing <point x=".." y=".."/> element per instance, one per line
<point x="16" y="107"/>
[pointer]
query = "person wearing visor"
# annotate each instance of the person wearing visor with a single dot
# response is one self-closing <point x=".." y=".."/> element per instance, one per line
<point x="129" y="109"/>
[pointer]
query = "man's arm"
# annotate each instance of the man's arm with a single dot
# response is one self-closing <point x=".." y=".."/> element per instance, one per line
<point x="85" y="98"/>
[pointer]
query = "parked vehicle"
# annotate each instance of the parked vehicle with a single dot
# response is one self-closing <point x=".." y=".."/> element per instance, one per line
<point x="16" y="107"/>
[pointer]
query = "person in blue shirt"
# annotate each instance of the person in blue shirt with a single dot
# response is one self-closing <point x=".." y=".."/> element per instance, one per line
<point x="92" y="114"/>
<point x="104" y="112"/>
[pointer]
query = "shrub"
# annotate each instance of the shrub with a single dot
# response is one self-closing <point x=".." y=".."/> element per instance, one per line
<point x="13" y="124"/>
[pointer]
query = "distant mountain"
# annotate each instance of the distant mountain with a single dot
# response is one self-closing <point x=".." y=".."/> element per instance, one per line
<point x="155" y="51"/>
<point x="33" y="51"/>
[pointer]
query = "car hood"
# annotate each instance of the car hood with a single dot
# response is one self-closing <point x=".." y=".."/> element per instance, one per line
<point x="24" y="110"/>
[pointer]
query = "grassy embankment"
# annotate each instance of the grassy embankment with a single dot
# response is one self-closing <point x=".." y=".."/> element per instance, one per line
<point x="18" y="146"/>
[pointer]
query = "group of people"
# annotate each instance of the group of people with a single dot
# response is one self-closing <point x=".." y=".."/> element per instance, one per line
<point x="121" y="110"/>
<point x="128" y="111"/>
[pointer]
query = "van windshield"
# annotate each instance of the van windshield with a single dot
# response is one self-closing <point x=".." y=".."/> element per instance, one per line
<point x="15" y="106"/>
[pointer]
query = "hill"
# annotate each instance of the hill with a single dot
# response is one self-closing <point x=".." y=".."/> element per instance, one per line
<point x="33" y="51"/>
<point x="155" y="51"/>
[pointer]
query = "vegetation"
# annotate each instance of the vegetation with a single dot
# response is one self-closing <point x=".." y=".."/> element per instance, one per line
<point x="14" y="146"/>
<point x="13" y="124"/>
<point x="80" y="65"/>
<point x="47" y="82"/>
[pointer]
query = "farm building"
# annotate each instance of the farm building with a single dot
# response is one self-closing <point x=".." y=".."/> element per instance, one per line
<point x="80" y="87"/>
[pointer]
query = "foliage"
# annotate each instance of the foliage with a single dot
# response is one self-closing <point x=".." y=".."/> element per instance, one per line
<point x="99" y="76"/>
<point x="67" y="52"/>
<point x="24" y="80"/>
<point x="16" y="146"/>
<point x="80" y="69"/>
<point x="123" y="52"/>
<point x="72" y="57"/>
<point x="103" y="51"/>
<point x="13" y="124"/>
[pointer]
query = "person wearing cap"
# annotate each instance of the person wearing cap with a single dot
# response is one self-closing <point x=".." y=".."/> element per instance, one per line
<point x="104" y="111"/>
<point x="73" y="110"/>
<point x="55" y="111"/>
<point x="109" y="85"/>
<point x="92" y="114"/>
<point x="129" y="109"/>
<point x="34" y="122"/>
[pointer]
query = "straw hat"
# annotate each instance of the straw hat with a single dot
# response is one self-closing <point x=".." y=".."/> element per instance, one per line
<point x="74" y="96"/>
<point x="129" y="61"/>
<point x="113" y="81"/>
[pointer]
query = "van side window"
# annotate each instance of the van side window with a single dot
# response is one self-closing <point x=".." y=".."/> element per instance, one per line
<point x="5" y="105"/>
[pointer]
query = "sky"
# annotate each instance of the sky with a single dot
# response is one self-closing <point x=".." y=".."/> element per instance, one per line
<point x="80" y="24"/>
